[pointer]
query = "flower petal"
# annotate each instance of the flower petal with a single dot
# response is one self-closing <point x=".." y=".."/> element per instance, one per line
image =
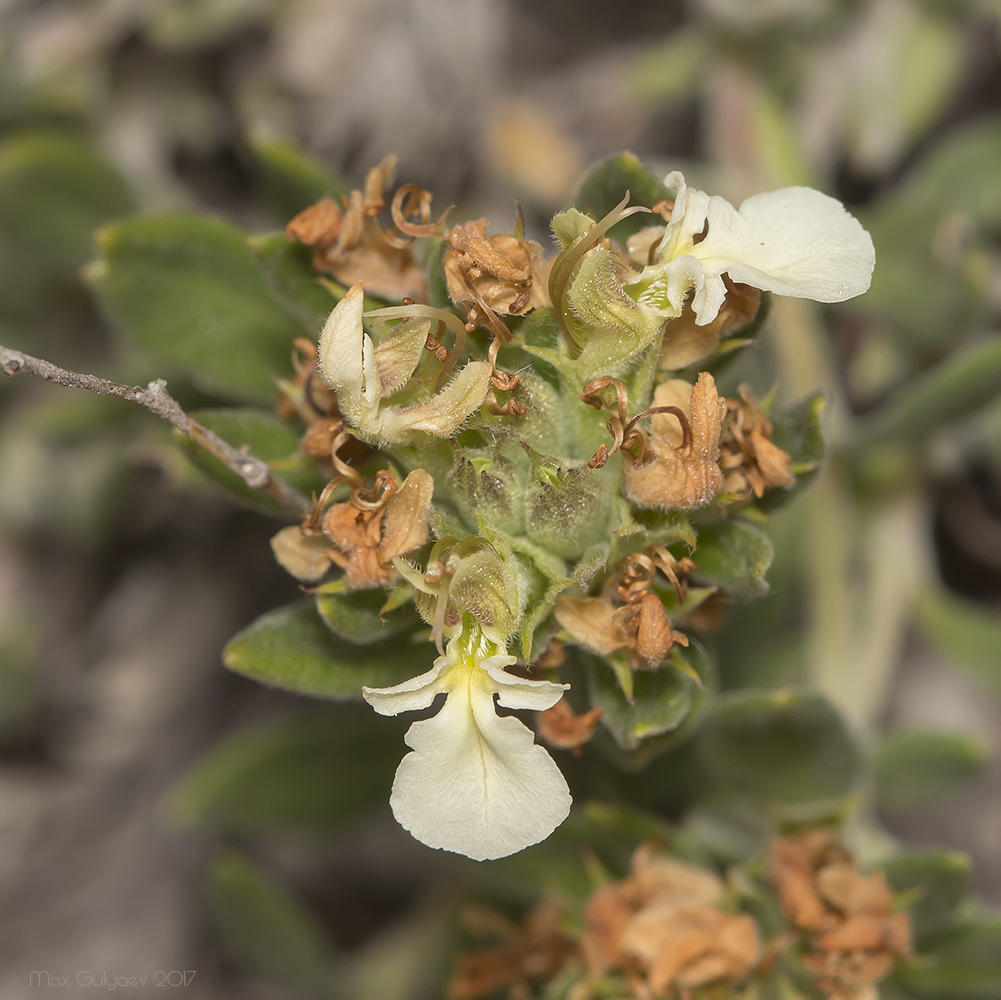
<point x="476" y="783"/>
<point x="347" y="357"/>
<point x="519" y="692"/>
<point x="411" y="695"/>
<point x="444" y="412"/>
<point x="795" y="241"/>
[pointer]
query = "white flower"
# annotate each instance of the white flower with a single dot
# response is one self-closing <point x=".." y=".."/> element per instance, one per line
<point x="362" y="375"/>
<point x="795" y="241"/>
<point x="475" y="783"/>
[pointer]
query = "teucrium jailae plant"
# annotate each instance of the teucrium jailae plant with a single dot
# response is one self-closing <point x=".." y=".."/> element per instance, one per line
<point x="469" y="472"/>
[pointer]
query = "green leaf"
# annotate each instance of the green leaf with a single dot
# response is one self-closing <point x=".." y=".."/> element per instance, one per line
<point x="606" y="184"/>
<point x="786" y="745"/>
<point x="925" y="298"/>
<point x="313" y="775"/>
<point x="964" y="965"/>
<point x="265" y="930"/>
<point x="938" y="880"/>
<point x="964" y="633"/>
<point x="661" y="700"/>
<point x="294" y="180"/>
<point x="54" y="192"/>
<point x="960" y="171"/>
<point x="954" y="389"/>
<point x="267" y="438"/>
<point x="291" y="648"/>
<point x="734" y="555"/>
<point x="917" y="768"/>
<point x="293" y="283"/>
<point x="188" y="289"/>
<point x="355" y="616"/>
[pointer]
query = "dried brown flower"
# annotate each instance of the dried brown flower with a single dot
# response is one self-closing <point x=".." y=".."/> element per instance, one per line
<point x="664" y="925"/>
<point x="751" y="461"/>
<point x="559" y="727"/>
<point x="853" y="936"/>
<point x="493" y="276"/>
<point x="642" y="628"/>
<point x="679" y="465"/>
<point x="530" y="953"/>
<point x="362" y="535"/>
<point x="349" y="243"/>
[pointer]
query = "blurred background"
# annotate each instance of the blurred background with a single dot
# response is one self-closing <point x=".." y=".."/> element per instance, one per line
<point x="122" y="574"/>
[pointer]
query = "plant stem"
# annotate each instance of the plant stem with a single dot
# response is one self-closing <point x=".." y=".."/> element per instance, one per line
<point x="155" y="398"/>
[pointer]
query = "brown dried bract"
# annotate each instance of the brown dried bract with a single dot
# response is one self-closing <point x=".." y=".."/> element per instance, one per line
<point x="853" y="936"/>
<point x="678" y="465"/>
<point x="642" y="628"/>
<point x="493" y="276"/>
<point x="752" y="463"/>
<point x="349" y="243"/>
<point x="530" y="953"/>
<point x="559" y="727"/>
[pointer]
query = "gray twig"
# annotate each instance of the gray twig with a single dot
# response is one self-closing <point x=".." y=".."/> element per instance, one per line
<point x="255" y="473"/>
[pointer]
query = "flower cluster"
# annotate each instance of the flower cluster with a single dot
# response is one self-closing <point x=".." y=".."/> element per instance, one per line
<point x="542" y="532"/>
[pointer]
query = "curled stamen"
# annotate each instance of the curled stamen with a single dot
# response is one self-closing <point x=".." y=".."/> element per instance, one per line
<point x="378" y="496"/>
<point x="686" y="427"/>
<point x="591" y="395"/>
<point x="411" y="200"/>
<point x="347" y="473"/>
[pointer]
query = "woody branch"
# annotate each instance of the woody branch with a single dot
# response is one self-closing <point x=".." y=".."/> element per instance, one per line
<point x="155" y="398"/>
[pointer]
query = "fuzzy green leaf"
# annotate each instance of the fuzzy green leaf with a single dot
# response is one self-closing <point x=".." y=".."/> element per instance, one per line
<point x="964" y="965"/>
<point x="312" y="775"/>
<point x="189" y="291"/>
<point x="789" y="746"/>
<point x="266" y="438"/>
<point x="961" y="172"/>
<point x="919" y="295"/>
<point x="293" y="283"/>
<point x="291" y="648"/>
<point x="265" y="930"/>
<point x="917" y="768"/>
<point x="606" y="184"/>
<point x="734" y="555"/>
<point x="54" y="192"/>
<point x="294" y="180"/>
<point x="939" y="881"/>
<point x="355" y="616"/>
<point x="964" y="633"/>
<point x="660" y="703"/>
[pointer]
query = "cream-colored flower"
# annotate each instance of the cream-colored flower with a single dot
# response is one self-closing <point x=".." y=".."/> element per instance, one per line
<point x="795" y="241"/>
<point x="362" y="375"/>
<point x="475" y="783"/>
